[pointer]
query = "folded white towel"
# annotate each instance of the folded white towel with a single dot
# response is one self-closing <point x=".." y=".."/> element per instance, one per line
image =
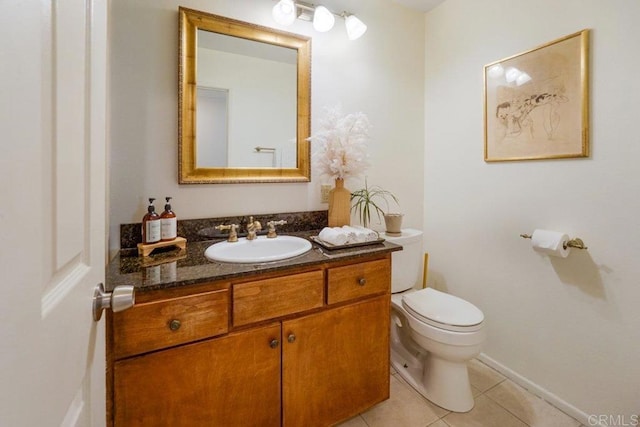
<point x="354" y="235"/>
<point x="333" y="235"/>
<point x="370" y="235"/>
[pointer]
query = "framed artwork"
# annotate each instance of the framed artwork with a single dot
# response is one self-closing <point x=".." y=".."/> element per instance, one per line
<point x="536" y="103"/>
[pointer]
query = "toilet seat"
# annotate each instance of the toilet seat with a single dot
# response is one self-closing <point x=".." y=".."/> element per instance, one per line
<point x="443" y="310"/>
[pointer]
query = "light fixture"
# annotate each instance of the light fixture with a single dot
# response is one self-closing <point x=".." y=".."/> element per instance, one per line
<point x="323" y="19"/>
<point x="355" y="27"/>
<point x="284" y="12"/>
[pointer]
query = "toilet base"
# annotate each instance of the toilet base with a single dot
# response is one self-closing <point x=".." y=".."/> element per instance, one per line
<point x="448" y="381"/>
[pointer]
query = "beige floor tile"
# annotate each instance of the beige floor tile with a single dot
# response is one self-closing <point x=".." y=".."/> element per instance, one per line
<point x="438" y="423"/>
<point x="482" y="376"/>
<point x="486" y="413"/>
<point x="475" y="391"/>
<point x="440" y="412"/>
<point x="528" y="407"/>
<point x="356" y="421"/>
<point x="404" y="408"/>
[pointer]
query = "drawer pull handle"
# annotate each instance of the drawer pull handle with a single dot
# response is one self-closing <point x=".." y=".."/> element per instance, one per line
<point x="174" y="325"/>
<point x="274" y="343"/>
<point x="362" y="281"/>
<point x="291" y="338"/>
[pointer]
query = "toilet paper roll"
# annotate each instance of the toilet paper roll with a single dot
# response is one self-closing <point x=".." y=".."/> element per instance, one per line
<point x="550" y="243"/>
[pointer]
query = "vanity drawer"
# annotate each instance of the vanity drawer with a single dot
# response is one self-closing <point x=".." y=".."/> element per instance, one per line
<point x="159" y="324"/>
<point x="279" y="296"/>
<point x="358" y="280"/>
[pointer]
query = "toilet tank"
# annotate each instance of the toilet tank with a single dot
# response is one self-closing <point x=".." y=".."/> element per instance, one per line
<point x="406" y="265"/>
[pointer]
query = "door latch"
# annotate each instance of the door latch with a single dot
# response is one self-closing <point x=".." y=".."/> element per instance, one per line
<point x="122" y="298"/>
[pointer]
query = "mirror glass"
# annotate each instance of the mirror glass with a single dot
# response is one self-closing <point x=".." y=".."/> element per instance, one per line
<point x="244" y="102"/>
<point x="242" y="81"/>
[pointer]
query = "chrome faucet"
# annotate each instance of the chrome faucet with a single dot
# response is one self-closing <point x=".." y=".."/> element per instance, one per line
<point x="252" y="228"/>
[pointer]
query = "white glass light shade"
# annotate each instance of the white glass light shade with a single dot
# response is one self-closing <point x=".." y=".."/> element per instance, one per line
<point x="323" y="19"/>
<point x="355" y="27"/>
<point x="284" y="12"/>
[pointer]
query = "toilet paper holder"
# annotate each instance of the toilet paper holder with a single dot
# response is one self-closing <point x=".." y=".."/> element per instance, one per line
<point x="572" y="243"/>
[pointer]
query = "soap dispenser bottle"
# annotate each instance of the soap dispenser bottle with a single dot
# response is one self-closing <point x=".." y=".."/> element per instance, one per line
<point x="151" y="225"/>
<point x="169" y="223"/>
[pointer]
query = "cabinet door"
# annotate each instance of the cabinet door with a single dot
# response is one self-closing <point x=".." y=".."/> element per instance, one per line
<point x="228" y="381"/>
<point x="335" y="363"/>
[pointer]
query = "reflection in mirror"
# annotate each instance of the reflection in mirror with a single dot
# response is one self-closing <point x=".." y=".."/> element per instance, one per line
<point x="242" y="81"/>
<point x="212" y="127"/>
<point x="244" y="109"/>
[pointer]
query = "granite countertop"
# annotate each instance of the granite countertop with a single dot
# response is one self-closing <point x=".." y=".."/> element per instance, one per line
<point x="175" y="267"/>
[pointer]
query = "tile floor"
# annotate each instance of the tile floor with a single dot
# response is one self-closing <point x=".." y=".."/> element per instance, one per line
<point x="499" y="403"/>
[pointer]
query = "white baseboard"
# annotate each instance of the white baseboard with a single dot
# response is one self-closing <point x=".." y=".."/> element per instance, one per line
<point x="542" y="393"/>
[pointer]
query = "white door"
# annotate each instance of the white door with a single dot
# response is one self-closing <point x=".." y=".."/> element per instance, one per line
<point x="52" y="211"/>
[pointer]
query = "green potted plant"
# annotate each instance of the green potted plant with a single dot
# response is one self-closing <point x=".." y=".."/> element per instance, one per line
<point x="367" y="200"/>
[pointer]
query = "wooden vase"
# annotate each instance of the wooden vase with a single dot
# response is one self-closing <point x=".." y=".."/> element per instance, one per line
<point x="339" y="205"/>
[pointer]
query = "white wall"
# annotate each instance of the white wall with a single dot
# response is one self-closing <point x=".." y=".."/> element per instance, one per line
<point x="212" y="127"/>
<point x="380" y="74"/>
<point x="571" y="325"/>
<point x="262" y="91"/>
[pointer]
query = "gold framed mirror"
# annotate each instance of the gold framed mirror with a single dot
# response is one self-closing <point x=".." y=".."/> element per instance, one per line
<point x="244" y="102"/>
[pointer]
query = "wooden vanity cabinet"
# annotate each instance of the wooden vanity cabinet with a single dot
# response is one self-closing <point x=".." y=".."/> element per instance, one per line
<point x="310" y="348"/>
<point x="229" y="381"/>
<point x="335" y="364"/>
<point x="164" y="323"/>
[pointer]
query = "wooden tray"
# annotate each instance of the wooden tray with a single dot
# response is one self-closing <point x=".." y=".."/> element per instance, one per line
<point x="146" y="249"/>
<point x="331" y="247"/>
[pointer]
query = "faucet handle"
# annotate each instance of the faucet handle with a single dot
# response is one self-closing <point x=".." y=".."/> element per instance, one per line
<point x="271" y="233"/>
<point x="252" y="228"/>
<point x="233" y="231"/>
<point x="254" y="225"/>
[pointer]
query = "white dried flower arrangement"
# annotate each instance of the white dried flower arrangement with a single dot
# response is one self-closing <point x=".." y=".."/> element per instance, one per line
<point x="342" y="144"/>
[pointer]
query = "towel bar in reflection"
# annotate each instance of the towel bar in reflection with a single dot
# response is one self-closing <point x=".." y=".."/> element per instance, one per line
<point x="267" y="149"/>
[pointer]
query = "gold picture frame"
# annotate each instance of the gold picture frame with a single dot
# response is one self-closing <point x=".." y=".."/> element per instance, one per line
<point x="536" y="103"/>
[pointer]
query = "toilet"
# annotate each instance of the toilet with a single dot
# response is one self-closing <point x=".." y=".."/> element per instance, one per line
<point x="433" y="334"/>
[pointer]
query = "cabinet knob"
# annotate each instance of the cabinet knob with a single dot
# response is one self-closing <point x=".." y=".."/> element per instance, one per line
<point x="274" y="343"/>
<point x="362" y="281"/>
<point x="291" y="338"/>
<point x="174" y="325"/>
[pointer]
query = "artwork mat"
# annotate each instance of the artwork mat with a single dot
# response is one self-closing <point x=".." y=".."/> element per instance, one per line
<point x="558" y="126"/>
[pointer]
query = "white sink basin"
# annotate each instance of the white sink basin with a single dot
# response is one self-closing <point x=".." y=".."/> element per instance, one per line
<point x="260" y="249"/>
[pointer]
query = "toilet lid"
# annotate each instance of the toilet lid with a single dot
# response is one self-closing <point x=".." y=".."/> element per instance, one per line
<point x="443" y="310"/>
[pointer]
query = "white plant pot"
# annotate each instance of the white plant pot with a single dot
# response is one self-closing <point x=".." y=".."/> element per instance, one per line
<point x="393" y="223"/>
